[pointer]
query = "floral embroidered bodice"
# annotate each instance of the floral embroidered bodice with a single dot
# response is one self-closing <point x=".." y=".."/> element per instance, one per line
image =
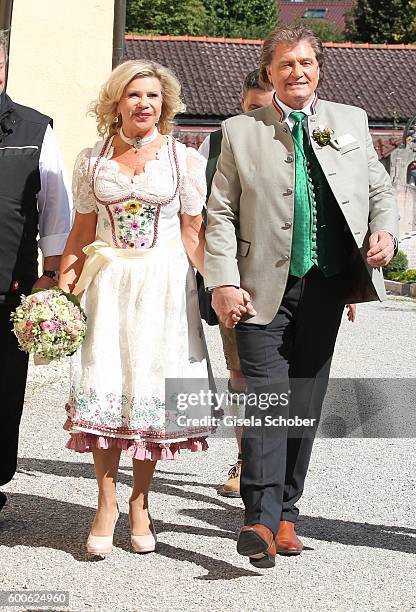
<point x="143" y="211"/>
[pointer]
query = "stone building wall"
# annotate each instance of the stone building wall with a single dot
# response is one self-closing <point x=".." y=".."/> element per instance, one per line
<point x="405" y="189"/>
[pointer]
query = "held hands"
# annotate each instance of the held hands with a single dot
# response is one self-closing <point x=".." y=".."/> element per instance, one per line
<point x="231" y="303"/>
<point x="381" y="249"/>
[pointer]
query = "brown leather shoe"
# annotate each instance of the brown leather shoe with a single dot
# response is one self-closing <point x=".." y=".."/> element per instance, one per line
<point x="287" y="542"/>
<point x="258" y="543"/>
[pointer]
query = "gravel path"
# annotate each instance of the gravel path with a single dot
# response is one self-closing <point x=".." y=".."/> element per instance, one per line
<point x="358" y="511"/>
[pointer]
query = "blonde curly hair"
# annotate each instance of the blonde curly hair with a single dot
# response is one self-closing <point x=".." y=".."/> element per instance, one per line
<point x="104" y="109"/>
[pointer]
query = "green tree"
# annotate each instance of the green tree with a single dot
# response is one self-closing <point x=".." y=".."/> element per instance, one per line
<point x="381" y="21"/>
<point x="227" y="18"/>
<point x="240" y="18"/>
<point x="410" y="35"/>
<point x="174" y="17"/>
<point x="325" y="30"/>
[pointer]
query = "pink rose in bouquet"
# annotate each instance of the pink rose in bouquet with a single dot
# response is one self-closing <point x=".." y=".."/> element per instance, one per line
<point x="50" y="324"/>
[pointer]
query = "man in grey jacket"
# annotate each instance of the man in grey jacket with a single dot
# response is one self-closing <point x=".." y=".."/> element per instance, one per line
<point x="302" y="217"/>
<point x="254" y="95"/>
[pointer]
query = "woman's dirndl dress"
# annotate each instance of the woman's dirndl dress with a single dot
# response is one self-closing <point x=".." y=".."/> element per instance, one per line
<point x="139" y="294"/>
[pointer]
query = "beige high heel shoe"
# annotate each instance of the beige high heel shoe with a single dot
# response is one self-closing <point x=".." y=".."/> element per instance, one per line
<point x="145" y="543"/>
<point x="102" y="546"/>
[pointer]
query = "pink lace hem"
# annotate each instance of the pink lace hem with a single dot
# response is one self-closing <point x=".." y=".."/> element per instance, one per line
<point x="136" y="449"/>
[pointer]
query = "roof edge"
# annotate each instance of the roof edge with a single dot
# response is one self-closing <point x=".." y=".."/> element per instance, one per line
<point x="239" y="41"/>
<point x="368" y="45"/>
<point x="246" y="41"/>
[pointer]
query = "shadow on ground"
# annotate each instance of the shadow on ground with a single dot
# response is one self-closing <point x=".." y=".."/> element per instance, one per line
<point x="34" y="521"/>
<point x="30" y="520"/>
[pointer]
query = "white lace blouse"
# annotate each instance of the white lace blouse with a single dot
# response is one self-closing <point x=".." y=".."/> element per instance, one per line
<point x="141" y="211"/>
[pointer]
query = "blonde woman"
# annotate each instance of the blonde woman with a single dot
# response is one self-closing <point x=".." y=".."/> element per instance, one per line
<point x="138" y="196"/>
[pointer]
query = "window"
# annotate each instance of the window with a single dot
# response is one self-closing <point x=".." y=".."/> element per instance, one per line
<point x="319" y="13"/>
<point x="411" y="174"/>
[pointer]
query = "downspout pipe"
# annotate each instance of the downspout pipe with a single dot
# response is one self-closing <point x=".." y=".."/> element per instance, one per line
<point x="119" y="29"/>
<point x="6" y="10"/>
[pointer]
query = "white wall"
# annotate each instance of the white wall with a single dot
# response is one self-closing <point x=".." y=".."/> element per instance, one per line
<point x="60" y="54"/>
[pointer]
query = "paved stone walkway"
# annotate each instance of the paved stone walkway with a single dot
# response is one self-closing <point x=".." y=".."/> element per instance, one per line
<point x="357" y="513"/>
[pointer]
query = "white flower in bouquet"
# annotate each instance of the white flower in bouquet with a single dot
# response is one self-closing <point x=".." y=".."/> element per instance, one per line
<point x="49" y="323"/>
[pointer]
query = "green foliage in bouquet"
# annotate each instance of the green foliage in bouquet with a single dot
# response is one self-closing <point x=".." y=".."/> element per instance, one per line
<point x="49" y="323"/>
<point x="69" y="296"/>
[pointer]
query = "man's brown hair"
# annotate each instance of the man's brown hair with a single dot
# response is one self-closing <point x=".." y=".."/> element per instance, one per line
<point x="290" y="36"/>
<point x="4" y="42"/>
<point x="252" y="81"/>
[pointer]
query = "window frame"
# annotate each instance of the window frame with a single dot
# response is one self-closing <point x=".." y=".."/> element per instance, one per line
<point x="323" y="13"/>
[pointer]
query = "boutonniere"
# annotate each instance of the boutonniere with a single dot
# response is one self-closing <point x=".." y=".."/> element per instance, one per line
<point x="322" y="135"/>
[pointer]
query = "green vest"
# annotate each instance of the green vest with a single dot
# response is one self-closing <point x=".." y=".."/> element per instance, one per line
<point x="333" y="237"/>
<point x="328" y="230"/>
<point x="320" y="235"/>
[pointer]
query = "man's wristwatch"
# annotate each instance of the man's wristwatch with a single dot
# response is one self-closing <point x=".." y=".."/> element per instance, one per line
<point x="53" y="274"/>
<point x="395" y="244"/>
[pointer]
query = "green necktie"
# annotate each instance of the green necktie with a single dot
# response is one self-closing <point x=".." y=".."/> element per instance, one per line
<point x="303" y="255"/>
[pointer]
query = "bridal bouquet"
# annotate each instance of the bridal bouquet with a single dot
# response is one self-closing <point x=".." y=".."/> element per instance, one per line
<point x="50" y="324"/>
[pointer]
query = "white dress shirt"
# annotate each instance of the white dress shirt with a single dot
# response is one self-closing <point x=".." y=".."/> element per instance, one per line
<point x="54" y="198"/>
<point x="204" y="147"/>
<point x="308" y="110"/>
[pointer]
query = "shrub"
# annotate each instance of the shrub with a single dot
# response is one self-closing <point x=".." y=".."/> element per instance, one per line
<point x="397" y="265"/>
<point x="407" y="277"/>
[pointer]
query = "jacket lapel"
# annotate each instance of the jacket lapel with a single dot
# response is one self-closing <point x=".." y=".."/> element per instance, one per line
<point x="324" y="154"/>
<point x="272" y="117"/>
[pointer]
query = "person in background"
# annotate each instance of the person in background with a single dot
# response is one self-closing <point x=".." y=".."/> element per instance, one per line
<point x="254" y="95"/>
<point x="34" y="199"/>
